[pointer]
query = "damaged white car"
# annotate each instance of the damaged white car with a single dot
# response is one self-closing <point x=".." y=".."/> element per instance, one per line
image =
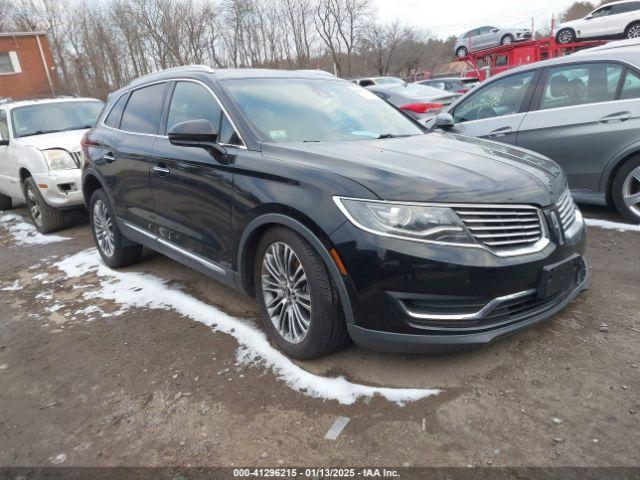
<point x="40" y="155"/>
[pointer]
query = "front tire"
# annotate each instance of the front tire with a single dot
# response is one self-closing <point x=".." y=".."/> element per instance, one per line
<point x="565" y="36"/>
<point x="116" y="251"/>
<point x="507" y="40"/>
<point x="5" y="202"/>
<point x="625" y="190"/>
<point x="299" y="302"/>
<point x="462" y="52"/>
<point x="46" y="218"/>
<point x="633" y="31"/>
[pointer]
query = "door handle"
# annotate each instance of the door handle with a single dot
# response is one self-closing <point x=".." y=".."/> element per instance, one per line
<point x="500" y="132"/>
<point x="161" y="170"/>
<point x="108" y="157"/>
<point x="616" y="117"/>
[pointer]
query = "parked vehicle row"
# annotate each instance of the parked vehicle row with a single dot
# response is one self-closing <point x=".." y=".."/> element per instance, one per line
<point x="343" y="217"/>
<point x="40" y="156"/>
<point x="582" y="110"/>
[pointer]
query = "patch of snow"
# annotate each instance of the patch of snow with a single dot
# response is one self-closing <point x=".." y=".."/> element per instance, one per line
<point x="45" y="295"/>
<point x="55" y="308"/>
<point x="609" y="225"/>
<point x="40" y="276"/>
<point x="13" y="287"/>
<point x="134" y="289"/>
<point x="24" y="233"/>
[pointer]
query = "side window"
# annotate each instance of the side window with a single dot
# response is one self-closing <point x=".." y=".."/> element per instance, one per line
<point x="227" y="134"/>
<point x="4" y="126"/>
<point x="502" y="97"/>
<point x="631" y="87"/>
<point x="143" y="110"/>
<point x="601" y="12"/>
<point x="192" y="101"/>
<point x="580" y="84"/>
<point x="115" y="115"/>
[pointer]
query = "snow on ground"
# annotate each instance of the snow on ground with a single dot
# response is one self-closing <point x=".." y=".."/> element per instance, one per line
<point x="609" y="225"/>
<point x="24" y="233"/>
<point x="133" y="289"/>
<point x="13" y="287"/>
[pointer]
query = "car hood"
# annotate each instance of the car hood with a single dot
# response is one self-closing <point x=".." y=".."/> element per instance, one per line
<point x="435" y="167"/>
<point x="69" y="140"/>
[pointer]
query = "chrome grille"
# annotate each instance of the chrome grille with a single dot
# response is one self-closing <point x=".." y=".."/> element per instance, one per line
<point x="566" y="210"/>
<point x="503" y="228"/>
<point x="78" y="158"/>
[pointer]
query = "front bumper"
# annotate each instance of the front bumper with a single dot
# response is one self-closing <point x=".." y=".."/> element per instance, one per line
<point x="60" y="188"/>
<point x="388" y="275"/>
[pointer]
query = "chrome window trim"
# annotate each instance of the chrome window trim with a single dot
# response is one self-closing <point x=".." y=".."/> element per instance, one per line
<point x="149" y="84"/>
<point x="535" y="248"/>
<point x="480" y="314"/>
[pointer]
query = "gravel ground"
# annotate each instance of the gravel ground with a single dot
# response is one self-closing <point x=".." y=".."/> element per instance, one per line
<point x="152" y="387"/>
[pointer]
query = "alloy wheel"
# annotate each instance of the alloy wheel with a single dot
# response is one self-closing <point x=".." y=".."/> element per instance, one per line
<point x="565" y="36"/>
<point x="34" y="206"/>
<point x="508" y="40"/>
<point x="285" y="290"/>
<point x="634" y="31"/>
<point x="103" y="228"/>
<point x="631" y="191"/>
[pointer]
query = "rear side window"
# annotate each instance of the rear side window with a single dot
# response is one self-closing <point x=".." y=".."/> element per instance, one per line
<point x="631" y="87"/>
<point x="502" y="97"/>
<point x="580" y="84"/>
<point x="4" y="126"/>
<point x="192" y="101"/>
<point x="625" y="7"/>
<point x="113" y="119"/>
<point x="143" y="110"/>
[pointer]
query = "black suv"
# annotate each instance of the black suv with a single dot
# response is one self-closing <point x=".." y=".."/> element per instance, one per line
<point x="336" y="211"/>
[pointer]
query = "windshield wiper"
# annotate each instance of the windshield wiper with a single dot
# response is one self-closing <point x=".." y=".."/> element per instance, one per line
<point x="81" y="127"/>
<point x="39" y="132"/>
<point x="311" y="141"/>
<point x="387" y="135"/>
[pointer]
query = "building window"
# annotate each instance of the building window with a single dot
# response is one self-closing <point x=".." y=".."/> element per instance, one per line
<point x="9" y="63"/>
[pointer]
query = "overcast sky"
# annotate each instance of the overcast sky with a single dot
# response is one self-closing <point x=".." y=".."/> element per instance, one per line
<point x="457" y="16"/>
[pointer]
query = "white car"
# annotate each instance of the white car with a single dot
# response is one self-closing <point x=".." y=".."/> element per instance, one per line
<point x="40" y="156"/>
<point x="612" y="20"/>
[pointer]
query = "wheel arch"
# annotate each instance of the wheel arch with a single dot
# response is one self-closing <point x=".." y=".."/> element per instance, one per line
<point x="303" y="227"/>
<point x="90" y="184"/>
<point x="614" y="166"/>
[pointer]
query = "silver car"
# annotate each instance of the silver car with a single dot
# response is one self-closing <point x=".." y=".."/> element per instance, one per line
<point x="582" y="110"/>
<point x="487" y="37"/>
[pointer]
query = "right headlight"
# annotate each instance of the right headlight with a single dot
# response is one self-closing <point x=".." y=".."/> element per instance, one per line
<point x="407" y="221"/>
<point x="59" y="159"/>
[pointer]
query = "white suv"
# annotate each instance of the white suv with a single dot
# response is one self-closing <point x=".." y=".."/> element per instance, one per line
<point x="612" y="20"/>
<point x="40" y="156"/>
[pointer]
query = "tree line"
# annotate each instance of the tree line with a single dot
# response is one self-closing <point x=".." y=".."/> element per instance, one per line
<point x="100" y="46"/>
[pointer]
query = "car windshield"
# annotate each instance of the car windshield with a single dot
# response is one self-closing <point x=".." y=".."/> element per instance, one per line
<point x="54" y="117"/>
<point x="316" y="110"/>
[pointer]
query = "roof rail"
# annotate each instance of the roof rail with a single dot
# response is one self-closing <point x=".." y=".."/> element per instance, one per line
<point x="205" y="68"/>
<point x="4" y="101"/>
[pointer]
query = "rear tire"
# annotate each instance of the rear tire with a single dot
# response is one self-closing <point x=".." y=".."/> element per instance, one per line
<point x="462" y="52"/>
<point x="625" y="190"/>
<point x="116" y="251"/>
<point x="565" y="36"/>
<point x="632" y="31"/>
<point x="46" y="218"/>
<point x="304" y="317"/>
<point x="5" y="202"/>
<point x="507" y="40"/>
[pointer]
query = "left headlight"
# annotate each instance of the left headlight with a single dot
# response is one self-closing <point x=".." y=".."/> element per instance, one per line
<point x="407" y="221"/>
<point x="59" y="160"/>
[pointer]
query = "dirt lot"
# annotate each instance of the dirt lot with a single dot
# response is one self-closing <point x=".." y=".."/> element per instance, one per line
<point x="89" y="379"/>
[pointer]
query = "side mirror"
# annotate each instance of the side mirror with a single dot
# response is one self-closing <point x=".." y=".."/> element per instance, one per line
<point x="195" y="133"/>
<point x="494" y="30"/>
<point x="444" y="120"/>
<point x="588" y="17"/>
